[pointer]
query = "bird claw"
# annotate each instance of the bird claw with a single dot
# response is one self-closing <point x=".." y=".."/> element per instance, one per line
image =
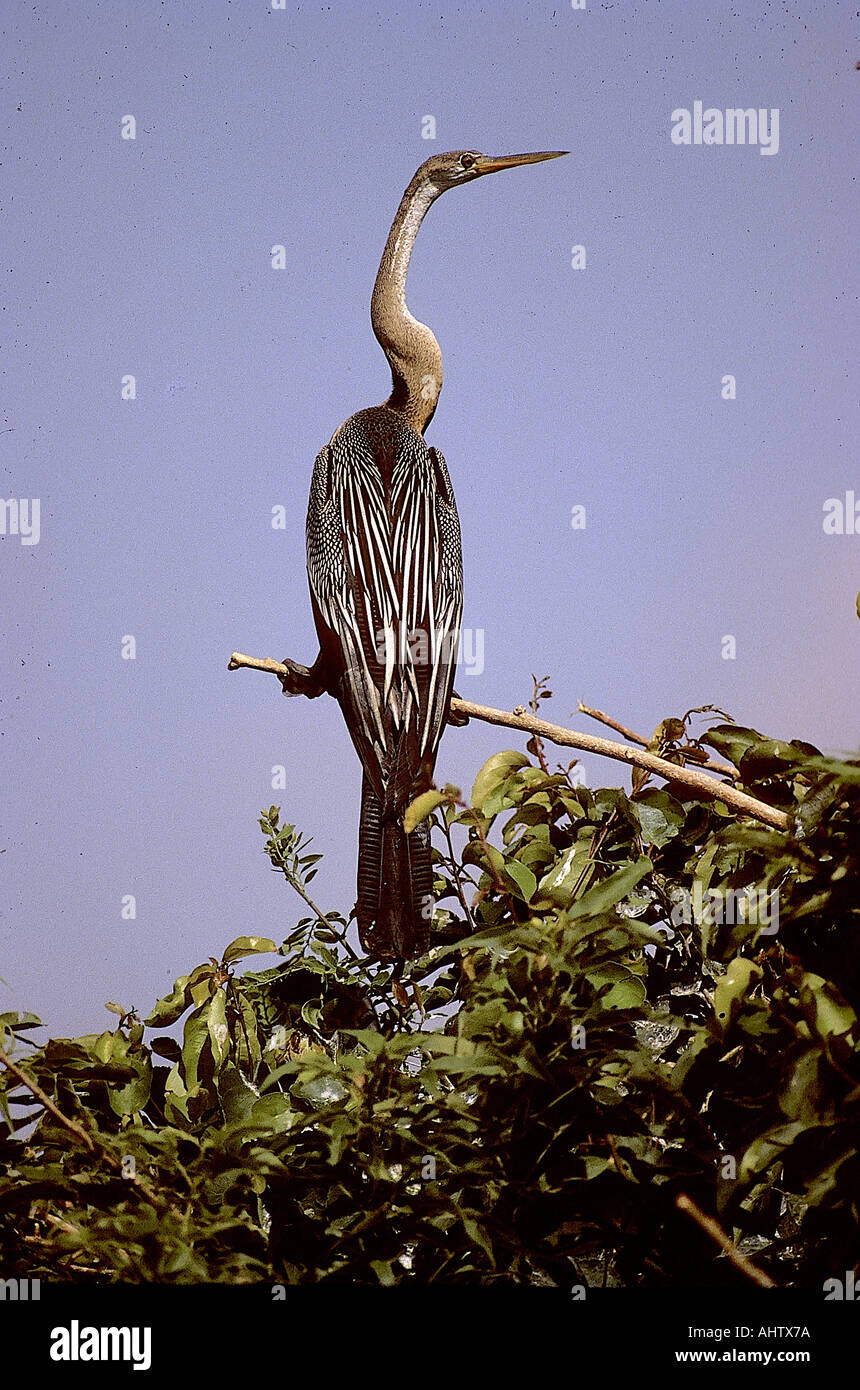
<point x="298" y="679"/>
<point x="303" y="680"/>
<point x="458" y="720"/>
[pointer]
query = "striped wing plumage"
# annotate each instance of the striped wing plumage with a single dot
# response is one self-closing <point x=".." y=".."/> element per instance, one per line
<point x="385" y="575"/>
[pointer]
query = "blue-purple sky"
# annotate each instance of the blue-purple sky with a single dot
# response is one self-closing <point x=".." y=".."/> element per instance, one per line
<point x="598" y="387"/>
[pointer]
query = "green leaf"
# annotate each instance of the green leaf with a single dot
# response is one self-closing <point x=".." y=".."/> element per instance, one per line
<point x="604" y="895"/>
<point x="18" y="1022"/>
<point x="827" y="1013"/>
<point x="248" y="946"/>
<point x="740" y="977"/>
<point x="237" y="1097"/>
<point x="625" y="990"/>
<point x="493" y="774"/>
<point x="523" y="879"/>
<point x="195" y="1037"/>
<point x="559" y="881"/>
<point x="171" y="1008"/>
<point x="129" y="1099"/>
<point x="768" y="1148"/>
<point x="817" y="802"/>
<point x="422" y="807"/>
<point x="659" y="815"/>
<point x="732" y="740"/>
<point x="669" y="731"/>
<point x="473" y="1065"/>
<point x="771" y="756"/>
<point x="275" y="1113"/>
<point x="478" y="1234"/>
<point x="166" y="1047"/>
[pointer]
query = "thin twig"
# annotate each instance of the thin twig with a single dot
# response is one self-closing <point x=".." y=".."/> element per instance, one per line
<point x="45" y="1100"/>
<point x="295" y="882"/>
<point x="80" y="1133"/>
<point x="722" y="769"/>
<point x="694" y="778"/>
<point x="717" y="1234"/>
<point x="455" y="870"/>
<point x="611" y="723"/>
<point x="616" y="1157"/>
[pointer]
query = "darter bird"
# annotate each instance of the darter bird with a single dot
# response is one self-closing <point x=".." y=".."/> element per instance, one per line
<point x="385" y="575"/>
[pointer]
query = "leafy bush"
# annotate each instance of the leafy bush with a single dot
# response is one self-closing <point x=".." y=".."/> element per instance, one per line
<point x="628" y="998"/>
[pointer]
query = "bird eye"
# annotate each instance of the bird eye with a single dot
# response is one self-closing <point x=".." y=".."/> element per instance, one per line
<point x="467" y="160"/>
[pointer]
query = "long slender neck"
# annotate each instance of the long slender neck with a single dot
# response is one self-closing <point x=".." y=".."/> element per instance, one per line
<point x="413" y="353"/>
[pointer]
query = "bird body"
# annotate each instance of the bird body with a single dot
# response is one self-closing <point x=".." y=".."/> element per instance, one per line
<point x="385" y="571"/>
<point x="385" y="575"/>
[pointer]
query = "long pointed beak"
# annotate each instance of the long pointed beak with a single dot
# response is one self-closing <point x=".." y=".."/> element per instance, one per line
<point x="489" y="164"/>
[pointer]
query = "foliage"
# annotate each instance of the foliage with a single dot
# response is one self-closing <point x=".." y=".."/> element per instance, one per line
<point x="628" y="998"/>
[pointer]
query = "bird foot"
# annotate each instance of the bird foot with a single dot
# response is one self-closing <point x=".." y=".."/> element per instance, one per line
<point x="301" y="680"/>
<point x="456" y="718"/>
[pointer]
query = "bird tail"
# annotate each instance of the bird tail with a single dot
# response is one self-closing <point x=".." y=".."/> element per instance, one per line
<point x="395" y="881"/>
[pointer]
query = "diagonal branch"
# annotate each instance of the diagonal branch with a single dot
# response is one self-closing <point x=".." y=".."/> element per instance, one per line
<point x="35" y="1089"/>
<point x="699" y="781"/>
<point x="716" y="1232"/>
<point x="81" y="1134"/>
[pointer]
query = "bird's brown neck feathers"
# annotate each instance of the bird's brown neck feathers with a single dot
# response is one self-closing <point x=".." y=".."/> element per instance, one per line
<point x="412" y="351"/>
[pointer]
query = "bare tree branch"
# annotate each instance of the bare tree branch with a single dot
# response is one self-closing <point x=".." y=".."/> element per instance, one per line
<point x="698" y="780"/>
<point x="716" y="1232"/>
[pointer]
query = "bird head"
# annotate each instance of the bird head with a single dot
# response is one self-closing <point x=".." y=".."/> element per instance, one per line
<point x="461" y="166"/>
